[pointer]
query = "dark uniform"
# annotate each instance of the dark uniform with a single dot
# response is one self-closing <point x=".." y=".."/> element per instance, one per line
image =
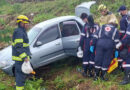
<point x="20" y="51"/>
<point x="123" y="26"/>
<point x="85" y="43"/>
<point x="126" y="62"/>
<point x="126" y="41"/>
<point x="108" y="36"/>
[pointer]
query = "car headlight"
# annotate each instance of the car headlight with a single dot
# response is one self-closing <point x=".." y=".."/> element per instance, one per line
<point x="3" y="64"/>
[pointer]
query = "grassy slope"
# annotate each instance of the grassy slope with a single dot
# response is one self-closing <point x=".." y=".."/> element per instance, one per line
<point x="63" y="76"/>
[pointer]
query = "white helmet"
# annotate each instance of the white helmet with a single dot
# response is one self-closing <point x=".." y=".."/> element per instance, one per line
<point x="128" y="17"/>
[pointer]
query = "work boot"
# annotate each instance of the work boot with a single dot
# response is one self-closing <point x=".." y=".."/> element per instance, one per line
<point x="103" y="75"/>
<point x="126" y="79"/>
<point x="96" y="75"/>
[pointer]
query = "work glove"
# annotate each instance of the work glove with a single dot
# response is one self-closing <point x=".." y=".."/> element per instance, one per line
<point x="118" y="45"/>
<point x="116" y="54"/>
<point x="92" y="49"/>
<point x="80" y="52"/>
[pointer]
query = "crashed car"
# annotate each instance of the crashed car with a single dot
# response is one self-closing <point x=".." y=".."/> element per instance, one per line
<point x="49" y="41"/>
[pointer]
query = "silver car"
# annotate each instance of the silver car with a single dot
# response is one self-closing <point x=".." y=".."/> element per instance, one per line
<point x="50" y="40"/>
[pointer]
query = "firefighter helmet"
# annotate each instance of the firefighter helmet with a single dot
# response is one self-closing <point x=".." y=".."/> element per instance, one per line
<point x="23" y="19"/>
<point x="102" y="7"/>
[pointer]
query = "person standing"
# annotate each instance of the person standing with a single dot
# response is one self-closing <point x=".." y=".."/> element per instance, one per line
<point x="108" y="37"/>
<point x="107" y="16"/>
<point x="126" y="63"/>
<point x="123" y="26"/>
<point x="123" y="21"/>
<point x="85" y="43"/>
<point x="20" y="50"/>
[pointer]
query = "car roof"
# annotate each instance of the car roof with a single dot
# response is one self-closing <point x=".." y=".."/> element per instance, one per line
<point x="55" y="20"/>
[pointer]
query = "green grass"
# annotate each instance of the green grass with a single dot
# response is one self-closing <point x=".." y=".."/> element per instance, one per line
<point x="63" y="76"/>
<point x="50" y="9"/>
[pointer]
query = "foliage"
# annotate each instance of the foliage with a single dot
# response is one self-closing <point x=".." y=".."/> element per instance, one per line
<point x="34" y="84"/>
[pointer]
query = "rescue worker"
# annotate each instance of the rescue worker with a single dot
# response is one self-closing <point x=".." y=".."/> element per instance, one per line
<point x="123" y="21"/>
<point x="82" y="43"/>
<point x="20" y="50"/>
<point x="126" y="41"/>
<point x="85" y="41"/>
<point x="107" y="37"/>
<point x="123" y="26"/>
<point x="106" y="15"/>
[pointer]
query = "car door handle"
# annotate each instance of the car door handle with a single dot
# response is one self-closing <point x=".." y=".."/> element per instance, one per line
<point x="57" y="43"/>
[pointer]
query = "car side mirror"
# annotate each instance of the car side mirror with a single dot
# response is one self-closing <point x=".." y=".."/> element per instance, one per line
<point x="38" y="43"/>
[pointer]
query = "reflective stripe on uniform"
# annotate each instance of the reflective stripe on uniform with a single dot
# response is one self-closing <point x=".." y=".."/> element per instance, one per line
<point x="18" y="41"/>
<point x="19" y="88"/>
<point x="100" y="33"/>
<point x="116" y="40"/>
<point x="96" y="36"/>
<point x="114" y="33"/>
<point x="23" y="55"/>
<point x="25" y="44"/>
<point x="127" y="32"/>
<point x="16" y="58"/>
<point x="98" y="67"/>
<point x="91" y="62"/>
<point x="122" y="31"/>
<point x="82" y="34"/>
<point x="126" y="65"/>
<point x="104" y="69"/>
<point x="85" y="62"/>
<point x="120" y="60"/>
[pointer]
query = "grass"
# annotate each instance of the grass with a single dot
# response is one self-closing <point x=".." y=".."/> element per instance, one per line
<point x="63" y="74"/>
<point x="48" y="9"/>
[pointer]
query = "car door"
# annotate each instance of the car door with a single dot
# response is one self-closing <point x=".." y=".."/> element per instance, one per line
<point x="70" y="32"/>
<point x="48" y="47"/>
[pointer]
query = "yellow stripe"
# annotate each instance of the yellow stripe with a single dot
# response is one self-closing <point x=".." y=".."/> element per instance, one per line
<point x="23" y="55"/>
<point x="18" y="41"/>
<point x="16" y="58"/>
<point x="25" y="44"/>
<point x="19" y="88"/>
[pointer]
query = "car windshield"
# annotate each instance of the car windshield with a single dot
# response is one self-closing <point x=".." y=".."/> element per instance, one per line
<point x="33" y="33"/>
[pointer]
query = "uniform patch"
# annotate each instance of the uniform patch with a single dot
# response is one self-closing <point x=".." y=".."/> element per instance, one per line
<point x="107" y="29"/>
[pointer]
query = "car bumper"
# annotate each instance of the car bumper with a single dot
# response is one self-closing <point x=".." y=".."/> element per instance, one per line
<point x="8" y="70"/>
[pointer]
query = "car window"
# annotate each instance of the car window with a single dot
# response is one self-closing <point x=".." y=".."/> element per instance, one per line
<point x="69" y="28"/>
<point x="49" y="35"/>
<point x="33" y="33"/>
<point x="80" y="26"/>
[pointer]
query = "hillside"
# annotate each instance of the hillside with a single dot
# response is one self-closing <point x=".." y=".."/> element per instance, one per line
<point x="61" y="75"/>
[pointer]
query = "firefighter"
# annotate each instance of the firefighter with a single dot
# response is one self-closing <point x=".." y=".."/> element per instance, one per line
<point x="107" y="37"/>
<point x="106" y="15"/>
<point x="87" y="34"/>
<point x="20" y="50"/>
<point x="126" y="41"/>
